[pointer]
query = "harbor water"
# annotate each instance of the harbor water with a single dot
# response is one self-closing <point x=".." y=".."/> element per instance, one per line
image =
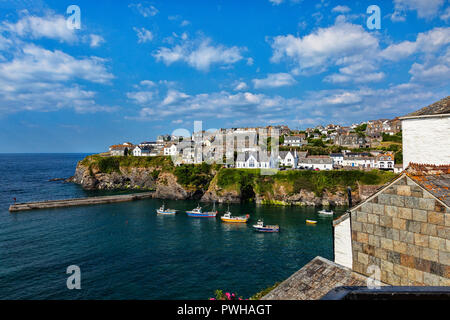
<point x="127" y="251"/>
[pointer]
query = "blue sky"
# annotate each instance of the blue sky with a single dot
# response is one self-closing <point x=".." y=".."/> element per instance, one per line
<point x="137" y="69"/>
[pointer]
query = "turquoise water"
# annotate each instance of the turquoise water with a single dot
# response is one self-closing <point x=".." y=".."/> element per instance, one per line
<point x="126" y="251"/>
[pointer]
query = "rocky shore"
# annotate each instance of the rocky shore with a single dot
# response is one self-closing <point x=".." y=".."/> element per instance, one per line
<point x="166" y="185"/>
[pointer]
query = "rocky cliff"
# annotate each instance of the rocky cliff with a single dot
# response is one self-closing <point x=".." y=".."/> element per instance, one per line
<point x="210" y="184"/>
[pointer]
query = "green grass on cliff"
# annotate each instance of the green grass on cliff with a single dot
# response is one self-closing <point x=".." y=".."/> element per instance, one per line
<point x="316" y="181"/>
<point x="246" y="181"/>
<point x="113" y="164"/>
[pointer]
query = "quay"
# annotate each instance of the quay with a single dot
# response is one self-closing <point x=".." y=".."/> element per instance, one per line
<point x="79" y="201"/>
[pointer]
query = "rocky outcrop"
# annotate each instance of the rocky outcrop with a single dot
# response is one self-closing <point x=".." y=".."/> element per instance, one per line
<point x="134" y="178"/>
<point x="166" y="186"/>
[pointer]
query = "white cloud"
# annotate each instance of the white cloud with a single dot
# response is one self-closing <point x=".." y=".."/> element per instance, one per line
<point x="240" y="86"/>
<point x="435" y="70"/>
<point x="199" y="54"/>
<point x="341" y="9"/>
<point x="426" y="9"/>
<point x="274" y="80"/>
<point x="39" y="79"/>
<point x="428" y="42"/>
<point x="341" y="43"/>
<point x="276" y="2"/>
<point x="146" y="10"/>
<point x="95" y="40"/>
<point x="52" y="27"/>
<point x="143" y="35"/>
<point x="446" y="15"/>
<point x="36" y="63"/>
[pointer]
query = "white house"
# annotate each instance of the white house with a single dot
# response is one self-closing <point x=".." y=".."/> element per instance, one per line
<point x="426" y="135"/>
<point x="288" y="159"/>
<point x="253" y="160"/>
<point x="385" y="161"/>
<point x="171" y="149"/>
<point x="316" y="162"/>
<point x="294" y="141"/>
<point x="360" y="162"/>
<point x="338" y="159"/>
<point x="141" y="151"/>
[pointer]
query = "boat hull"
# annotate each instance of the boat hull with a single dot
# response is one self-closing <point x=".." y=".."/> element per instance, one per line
<point x="231" y="220"/>
<point x="266" y="229"/>
<point x="167" y="213"/>
<point x="201" y="215"/>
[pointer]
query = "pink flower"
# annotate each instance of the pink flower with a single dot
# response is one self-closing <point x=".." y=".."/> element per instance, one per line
<point x="228" y="295"/>
<point x="212" y="298"/>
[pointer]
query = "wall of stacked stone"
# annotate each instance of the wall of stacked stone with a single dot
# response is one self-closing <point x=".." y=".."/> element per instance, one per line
<point x="406" y="233"/>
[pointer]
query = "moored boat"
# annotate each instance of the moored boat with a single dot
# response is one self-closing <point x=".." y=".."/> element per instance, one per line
<point x="326" y="213"/>
<point x="165" y="211"/>
<point x="311" y="222"/>
<point x="198" y="213"/>
<point x="260" y="227"/>
<point x="227" y="217"/>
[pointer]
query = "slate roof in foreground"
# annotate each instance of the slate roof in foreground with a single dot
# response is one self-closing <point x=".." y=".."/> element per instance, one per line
<point x="315" y="280"/>
<point x="440" y="107"/>
<point x="434" y="179"/>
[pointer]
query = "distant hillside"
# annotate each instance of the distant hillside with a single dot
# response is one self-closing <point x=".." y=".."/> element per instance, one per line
<point x="440" y="107"/>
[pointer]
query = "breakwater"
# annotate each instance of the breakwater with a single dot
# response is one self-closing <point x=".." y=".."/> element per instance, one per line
<point x="79" y="202"/>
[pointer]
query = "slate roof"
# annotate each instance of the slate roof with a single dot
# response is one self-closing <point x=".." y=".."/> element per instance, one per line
<point x="317" y="160"/>
<point x="244" y="156"/>
<point x="440" y="107"/>
<point x="434" y="179"/>
<point x="315" y="280"/>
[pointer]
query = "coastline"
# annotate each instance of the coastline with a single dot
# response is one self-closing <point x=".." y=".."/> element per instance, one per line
<point x="213" y="183"/>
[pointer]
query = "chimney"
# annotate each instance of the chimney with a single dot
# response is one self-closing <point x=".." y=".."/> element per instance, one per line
<point x="349" y="192"/>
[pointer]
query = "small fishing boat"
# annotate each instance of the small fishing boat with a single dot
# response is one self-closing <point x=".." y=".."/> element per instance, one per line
<point x="326" y="213"/>
<point x="198" y="213"/>
<point x="227" y="217"/>
<point x="260" y="227"/>
<point x="311" y="222"/>
<point x="167" y="211"/>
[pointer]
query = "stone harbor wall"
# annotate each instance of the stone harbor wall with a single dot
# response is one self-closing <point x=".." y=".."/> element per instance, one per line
<point x="404" y="231"/>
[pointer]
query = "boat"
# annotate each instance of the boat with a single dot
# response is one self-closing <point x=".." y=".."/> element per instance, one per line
<point x="311" y="222"/>
<point x="326" y="213"/>
<point x="163" y="210"/>
<point x="197" y="212"/>
<point x="260" y="227"/>
<point x="227" y="217"/>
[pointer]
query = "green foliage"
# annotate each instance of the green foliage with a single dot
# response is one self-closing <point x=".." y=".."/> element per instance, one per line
<point x="264" y="292"/>
<point x="398" y="157"/>
<point x="198" y="176"/>
<point x="113" y="164"/>
<point x="395" y="138"/>
<point x="361" y="128"/>
<point x="315" y="181"/>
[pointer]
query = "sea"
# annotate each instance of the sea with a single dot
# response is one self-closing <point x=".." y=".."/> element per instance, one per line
<point x="126" y="251"/>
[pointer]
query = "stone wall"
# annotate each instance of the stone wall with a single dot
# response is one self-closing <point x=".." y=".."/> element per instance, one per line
<point x="405" y="232"/>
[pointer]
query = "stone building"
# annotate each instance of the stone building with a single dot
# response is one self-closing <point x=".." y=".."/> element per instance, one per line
<point x="404" y="229"/>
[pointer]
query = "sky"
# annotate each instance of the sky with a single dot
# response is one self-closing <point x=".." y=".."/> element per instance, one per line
<point x="137" y="69"/>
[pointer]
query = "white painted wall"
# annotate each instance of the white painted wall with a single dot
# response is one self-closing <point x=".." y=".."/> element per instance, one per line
<point x="343" y="244"/>
<point x="426" y="140"/>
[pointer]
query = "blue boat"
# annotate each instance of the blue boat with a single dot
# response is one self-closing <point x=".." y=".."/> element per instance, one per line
<point x="165" y="211"/>
<point x="260" y="227"/>
<point x="198" y="213"/>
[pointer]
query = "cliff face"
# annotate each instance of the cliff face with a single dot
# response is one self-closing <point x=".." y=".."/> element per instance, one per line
<point x="165" y="181"/>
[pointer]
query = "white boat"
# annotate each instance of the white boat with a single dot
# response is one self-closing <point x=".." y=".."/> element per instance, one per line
<point x="260" y="227"/>
<point x="327" y="213"/>
<point x="163" y="210"/>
